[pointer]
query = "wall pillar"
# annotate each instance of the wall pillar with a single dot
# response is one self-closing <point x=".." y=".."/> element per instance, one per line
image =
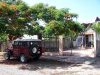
<point x="95" y="43"/>
<point x="61" y="44"/>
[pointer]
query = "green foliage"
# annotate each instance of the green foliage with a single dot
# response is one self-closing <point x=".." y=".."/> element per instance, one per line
<point x="14" y="18"/>
<point x="17" y="19"/>
<point x="54" y="28"/>
<point x="3" y="25"/>
<point x="44" y="12"/>
<point x="65" y="10"/>
<point x="8" y="1"/>
<point x="3" y="37"/>
<point x="34" y="29"/>
<point x="55" y="20"/>
<point x="38" y="11"/>
<point x="69" y="28"/>
<point x="47" y="31"/>
<point x="96" y="27"/>
<point x="73" y="28"/>
<point x="22" y="6"/>
<point x="67" y="14"/>
<point x="59" y="16"/>
<point x="23" y="13"/>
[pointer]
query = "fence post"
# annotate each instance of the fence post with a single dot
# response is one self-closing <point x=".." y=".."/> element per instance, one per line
<point x="61" y="44"/>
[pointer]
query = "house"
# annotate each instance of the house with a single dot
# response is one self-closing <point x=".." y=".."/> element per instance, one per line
<point x="90" y="38"/>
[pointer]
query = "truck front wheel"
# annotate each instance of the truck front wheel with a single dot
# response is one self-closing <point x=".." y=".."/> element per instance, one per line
<point x="23" y="58"/>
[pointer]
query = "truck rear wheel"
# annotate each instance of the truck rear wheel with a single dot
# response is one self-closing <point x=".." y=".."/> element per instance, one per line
<point x="7" y="56"/>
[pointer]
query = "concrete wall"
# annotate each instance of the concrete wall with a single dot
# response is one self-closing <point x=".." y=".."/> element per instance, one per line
<point x="97" y="44"/>
<point x="52" y="44"/>
<point x="3" y="47"/>
<point x="67" y="43"/>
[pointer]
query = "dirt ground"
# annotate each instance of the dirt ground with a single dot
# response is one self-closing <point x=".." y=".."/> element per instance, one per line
<point x="80" y="63"/>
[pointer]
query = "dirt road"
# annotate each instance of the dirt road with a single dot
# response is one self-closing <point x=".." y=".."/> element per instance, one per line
<point x="48" y="65"/>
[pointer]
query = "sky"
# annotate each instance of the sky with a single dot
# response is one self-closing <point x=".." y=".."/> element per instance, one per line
<point x="87" y="10"/>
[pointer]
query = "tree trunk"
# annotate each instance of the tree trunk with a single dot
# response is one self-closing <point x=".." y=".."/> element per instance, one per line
<point x="40" y="36"/>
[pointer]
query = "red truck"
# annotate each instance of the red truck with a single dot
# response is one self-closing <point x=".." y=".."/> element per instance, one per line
<point x="23" y="49"/>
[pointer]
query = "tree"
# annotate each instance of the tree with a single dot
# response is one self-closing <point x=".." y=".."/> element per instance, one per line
<point x="49" y="14"/>
<point x="96" y="27"/>
<point x="73" y="26"/>
<point x="14" y="18"/>
<point x="69" y="28"/>
<point x="3" y="38"/>
<point x="42" y="11"/>
<point x="54" y="28"/>
<point x="8" y="1"/>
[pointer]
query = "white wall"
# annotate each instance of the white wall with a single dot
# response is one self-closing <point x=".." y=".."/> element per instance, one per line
<point x="97" y="44"/>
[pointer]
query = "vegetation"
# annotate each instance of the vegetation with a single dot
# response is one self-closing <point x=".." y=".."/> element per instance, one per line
<point x="14" y="19"/>
<point x="54" y="28"/>
<point x="17" y="19"/>
<point x="96" y="27"/>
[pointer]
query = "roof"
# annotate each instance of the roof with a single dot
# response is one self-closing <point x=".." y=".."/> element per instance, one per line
<point x="27" y="40"/>
<point x="89" y="31"/>
<point x="97" y="19"/>
<point x="87" y="25"/>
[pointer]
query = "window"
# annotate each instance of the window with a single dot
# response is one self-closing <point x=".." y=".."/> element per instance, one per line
<point x="15" y="43"/>
<point x="20" y="43"/>
<point x="24" y="43"/>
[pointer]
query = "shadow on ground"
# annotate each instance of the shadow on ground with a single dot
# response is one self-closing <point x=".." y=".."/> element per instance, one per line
<point x="43" y="63"/>
<point x="96" y="63"/>
<point x="53" y="62"/>
<point x="10" y="62"/>
<point x="46" y="64"/>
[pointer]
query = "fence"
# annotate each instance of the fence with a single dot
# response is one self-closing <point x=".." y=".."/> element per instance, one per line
<point x="51" y="44"/>
<point x="68" y="43"/>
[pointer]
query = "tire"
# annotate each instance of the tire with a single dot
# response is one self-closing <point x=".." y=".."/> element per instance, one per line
<point x="37" y="57"/>
<point x="34" y="50"/>
<point x="23" y="58"/>
<point x="7" y="56"/>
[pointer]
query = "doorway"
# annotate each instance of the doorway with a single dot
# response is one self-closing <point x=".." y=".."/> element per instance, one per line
<point x="89" y="41"/>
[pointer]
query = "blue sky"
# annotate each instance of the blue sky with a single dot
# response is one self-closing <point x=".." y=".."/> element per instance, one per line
<point x="87" y="10"/>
